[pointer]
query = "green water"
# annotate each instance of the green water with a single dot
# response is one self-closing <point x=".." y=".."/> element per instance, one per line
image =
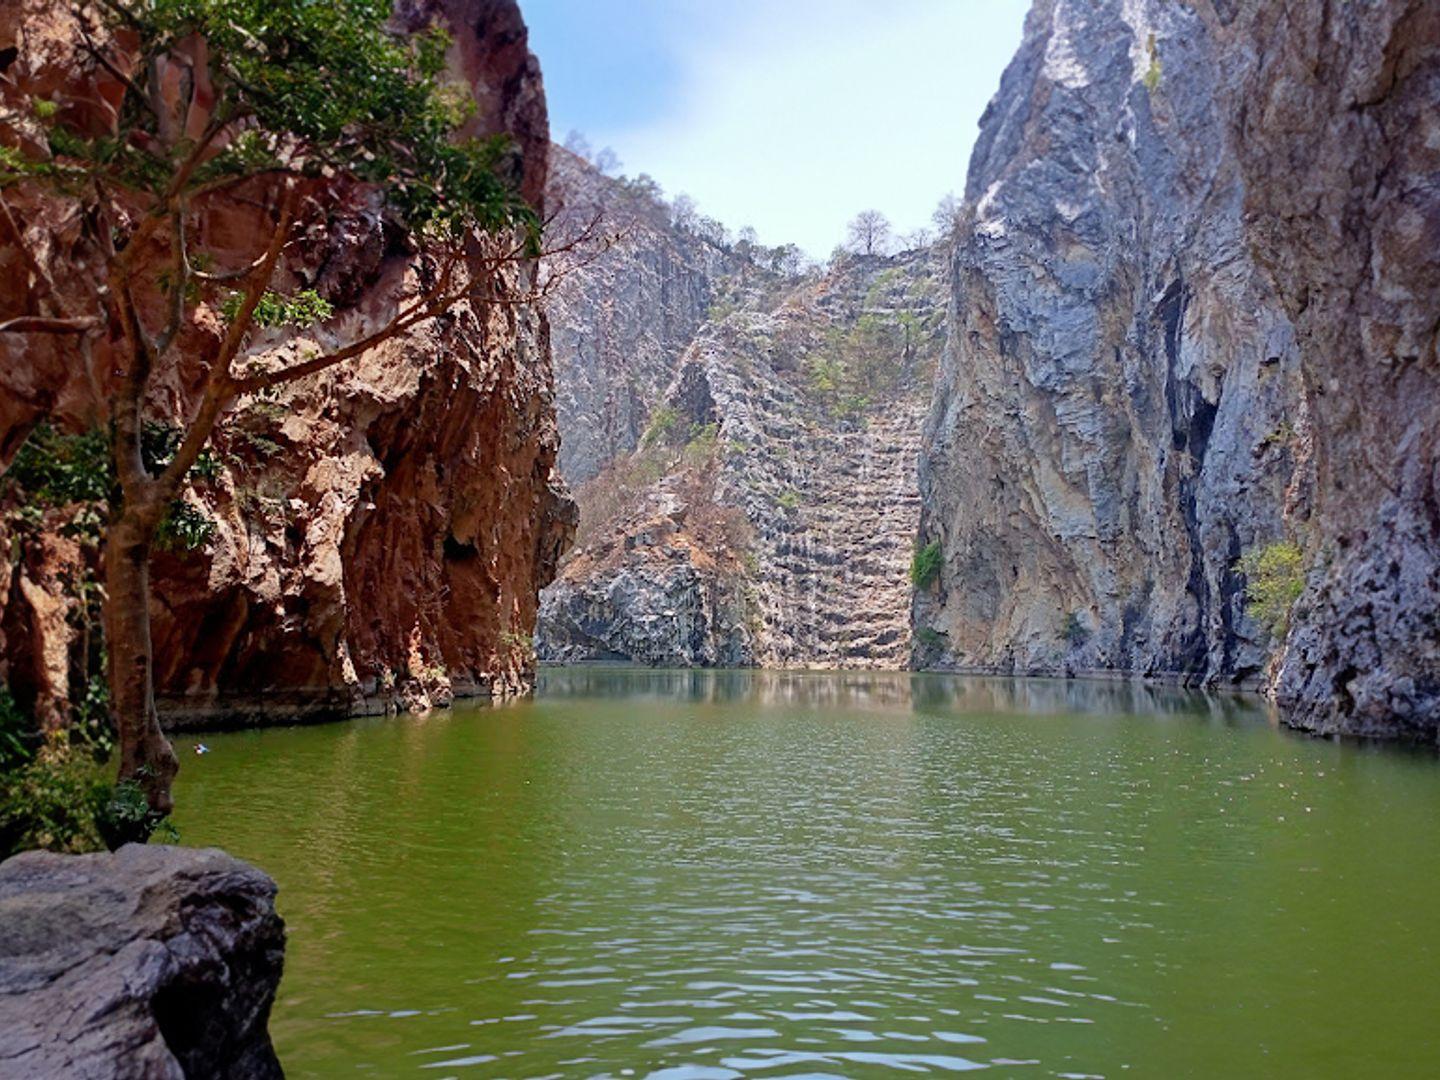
<point x="778" y="875"/>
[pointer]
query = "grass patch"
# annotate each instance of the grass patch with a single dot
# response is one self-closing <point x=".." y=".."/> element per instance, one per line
<point x="925" y="565"/>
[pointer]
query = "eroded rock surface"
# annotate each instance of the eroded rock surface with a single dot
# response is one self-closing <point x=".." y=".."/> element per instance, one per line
<point x="381" y="530"/>
<point x="619" y="324"/>
<point x="769" y="514"/>
<point x="150" y="962"/>
<point x="1338" y="130"/>
<point x="1193" y="315"/>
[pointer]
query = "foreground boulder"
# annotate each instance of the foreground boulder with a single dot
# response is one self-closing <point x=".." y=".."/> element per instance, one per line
<point x="151" y="962"/>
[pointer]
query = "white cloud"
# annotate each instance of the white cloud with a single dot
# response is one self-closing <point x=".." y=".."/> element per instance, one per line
<point x="793" y="119"/>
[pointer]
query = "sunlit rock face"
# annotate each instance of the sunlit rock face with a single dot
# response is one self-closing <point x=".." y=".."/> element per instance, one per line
<point x="1192" y="314"/>
<point x="619" y="323"/>
<point x="768" y="515"/>
<point x="381" y="530"/>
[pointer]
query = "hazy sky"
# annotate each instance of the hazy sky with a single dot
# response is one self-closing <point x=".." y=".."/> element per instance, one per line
<point x="788" y="115"/>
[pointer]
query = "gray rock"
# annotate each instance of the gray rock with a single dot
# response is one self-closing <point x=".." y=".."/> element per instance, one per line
<point x="1338" y="133"/>
<point x="149" y="962"/>
<point x="785" y="540"/>
<point x="618" y="326"/>
<point x="1191" y="316"/>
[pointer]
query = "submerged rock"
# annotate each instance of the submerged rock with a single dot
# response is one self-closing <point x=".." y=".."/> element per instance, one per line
<point x="149" y="962"/>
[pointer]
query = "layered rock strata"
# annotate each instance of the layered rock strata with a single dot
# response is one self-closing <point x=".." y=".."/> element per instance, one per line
<point x="381" y="530"/>
<point x="1193" y="316"/>
<point x="769" y="515"/>
<point x="151" y="962"/>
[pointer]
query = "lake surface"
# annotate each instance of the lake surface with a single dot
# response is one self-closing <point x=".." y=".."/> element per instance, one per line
<point x="719" y="874"/>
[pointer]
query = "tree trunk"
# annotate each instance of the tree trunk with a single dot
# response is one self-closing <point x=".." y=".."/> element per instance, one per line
<point x="145" y="754"/>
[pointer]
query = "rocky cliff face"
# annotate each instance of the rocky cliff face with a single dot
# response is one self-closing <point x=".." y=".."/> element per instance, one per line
<point x="768" y="516"/>
<point x="151" y="962"/>
<point x="619" y="325"/>
<point x="1193" y="316"/>
<point x="380" y="531"/>
<point x="1338" y="131"/>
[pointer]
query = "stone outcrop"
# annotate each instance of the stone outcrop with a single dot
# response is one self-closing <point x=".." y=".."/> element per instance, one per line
<point x="1192" y="315"/>
<point x="149" y="962"/>
<point x="768" y="516"/>
<point x="1338" y="131"/>
<point x="381" y="531"/>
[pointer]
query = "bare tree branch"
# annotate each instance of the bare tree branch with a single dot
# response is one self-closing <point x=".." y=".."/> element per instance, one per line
<point x="435" y="300"/>
<point x="105" y="62"/>
<point x="240" y="325"/>
<point x="44" y="324"/>
<point x="221" y="386"/>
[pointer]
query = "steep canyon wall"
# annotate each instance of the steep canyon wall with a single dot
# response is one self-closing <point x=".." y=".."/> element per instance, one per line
<point x="619" y="323"/>
<point x="767" y="516"/>
<point x="1194" y="315"/>
<point x="381" y="530"/>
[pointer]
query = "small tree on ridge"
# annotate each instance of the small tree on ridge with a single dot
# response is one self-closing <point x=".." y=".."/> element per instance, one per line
<point x="869" y="233"/>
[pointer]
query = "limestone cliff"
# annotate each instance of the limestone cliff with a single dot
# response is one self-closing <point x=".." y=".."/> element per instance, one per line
<point x="380" y="531"/>
<point x="768" y="515"/>
<point x="1193" y="315"/>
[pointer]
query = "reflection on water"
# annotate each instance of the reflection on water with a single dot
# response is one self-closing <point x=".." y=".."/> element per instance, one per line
<point x="898" y="689"/>
<point x="724" y="874"/>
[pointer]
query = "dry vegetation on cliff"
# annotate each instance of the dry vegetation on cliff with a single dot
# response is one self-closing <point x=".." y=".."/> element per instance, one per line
<point x="766" y="515"/>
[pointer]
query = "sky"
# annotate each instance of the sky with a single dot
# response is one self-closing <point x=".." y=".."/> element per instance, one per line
<point x="789" y="116"/>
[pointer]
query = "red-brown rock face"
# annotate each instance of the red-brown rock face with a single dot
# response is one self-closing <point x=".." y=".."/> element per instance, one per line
<point x="382" y="530"/>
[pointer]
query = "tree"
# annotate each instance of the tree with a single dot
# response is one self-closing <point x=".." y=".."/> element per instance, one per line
<point x="915" y="240"/>
<point x="786" y="259"/>
<point x="644" y="187"/>
<point x="578" y="144"/>
<point x="683" y="212"/>
<point x="946" y="217"/>
<point x="608" y="162"/>
<point x="869" y="233"/>
<point x="712" y="231"/>
<point x="262" y="103"/>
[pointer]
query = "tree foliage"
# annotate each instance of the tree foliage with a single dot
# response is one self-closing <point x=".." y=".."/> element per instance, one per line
<point x="305" y="88"/>
<point x="1274" y="579"/>
<point x="926" y="564"/>
<point x="946" y="216"/>
<point x="267" y="104"/>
